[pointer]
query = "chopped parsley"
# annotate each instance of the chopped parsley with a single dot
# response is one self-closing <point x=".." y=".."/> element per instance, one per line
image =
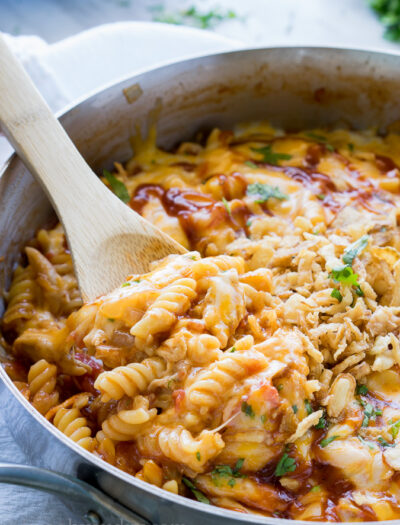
<point x="321" y="139"/>
<point x="221" y="471"/>
<point x="279" y="388"/>
<point x="394" y="429"/>
<point x="295" y="409"/>
<point x="285" y="464"/>
<point x="384" y="443"/>
<point x="359" y="292"/>
<point x="248" y="410"/>
<point x="248" y="223"/>
<point x="198" y="495"/>
<point x="263" y="192"/>
<point x="263" y="418"/>
<point x="193" y="17"/>
<point x="227" y="206"/>
<point x="325" y="442"/>
<point x="388" y="12"/>
<point x="233" y="349"/>
<point x="125" y="284"/>
<point x="111" y="319"/>
<point x="117" y="186"/>
<point x="370" y="413"/>
<point x="316" y="488"/>
<point x="369" y="445"/>
<point x="351" y="147"/>
<point x="352" y="251"/>
<point x="344" y="275"/>
<point x="269" y="156"/>
<point x="361" y="390"/>
<point x="198" y="456"/>
<point x="322" y="423"/>
<point x="337" y="295"/>
<point x="321" y="196"/>
<point x="136" y="281"/>
<point x="309" y="408"/>
<point x="251" y="164"/>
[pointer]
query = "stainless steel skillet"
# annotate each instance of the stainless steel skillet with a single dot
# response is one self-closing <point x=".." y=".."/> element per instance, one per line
<point x="292" y="87"/>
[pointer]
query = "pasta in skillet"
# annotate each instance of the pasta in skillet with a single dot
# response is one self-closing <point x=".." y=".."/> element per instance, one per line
<point x="258" y="372"/>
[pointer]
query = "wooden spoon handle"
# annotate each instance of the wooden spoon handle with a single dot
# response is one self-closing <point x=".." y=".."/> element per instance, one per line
<point x="40" y="140"/>
<point x="107" y="239"/>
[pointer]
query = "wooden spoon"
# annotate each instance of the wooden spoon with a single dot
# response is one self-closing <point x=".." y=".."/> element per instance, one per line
<point x="108" y="240"/>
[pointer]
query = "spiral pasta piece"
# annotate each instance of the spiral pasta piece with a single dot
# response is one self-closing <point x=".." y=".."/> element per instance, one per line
<point x="161" y="315"/>
<point x="203" y="349"/>
<point x="42" y="379"/>
<point x="71" y="423"/>
<point x="21" y="297"/>
<point x="179" y="445"/>
<point x="212" y="384"/>
<point x="130" y="379"/>
<point x="105" y="446"/>
<point x="127" y="424"/>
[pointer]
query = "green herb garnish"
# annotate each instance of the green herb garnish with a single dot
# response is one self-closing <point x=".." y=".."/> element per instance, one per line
<point x="250" y="164"/>
<point x="394" y="429"/>
<point x="321" y="139"/>
<point x="233" y="349"/>
<point x="265" y="192"/>
<point x="126" y="284"/>
<point x="193" y="17"/>
<point x="325" y="442"/>
<point x="370" y="413"/>
<point x="111" y="319"/>
<point x="263" y="418"/>
<point x="227" y="206"/>
<point x="351" y="147"/>
<point x="316" y="488"/>
<point x="279" y="388"/>
<point x="355" y="249"/>
<point x="344" y="275"/>
<point x="388" y="12"/>
<point x="321" y="196"/>
<point x="285" y="464"/>
<point x="309" y="408"/>
<point x="384" y="443"/>
<point x="361" y="390"/>
<point x="365" y="442"/>
<point x="295" y="409"/>
<point x="269" y="156"/>
<point x="337" y="295"/>
<point x="117" y="186"/>
<point x="221" y="471"/>
<point x="248" y="409"/>
<point x="198" y="456"/>
<point x="322" y="422"/>
<point x="198" y="495"/>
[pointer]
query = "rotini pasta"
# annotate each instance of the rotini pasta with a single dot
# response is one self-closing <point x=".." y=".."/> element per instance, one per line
<point x="259" y="371"/>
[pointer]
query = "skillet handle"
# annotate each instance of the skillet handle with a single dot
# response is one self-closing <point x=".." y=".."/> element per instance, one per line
<point x="99" y="507"/>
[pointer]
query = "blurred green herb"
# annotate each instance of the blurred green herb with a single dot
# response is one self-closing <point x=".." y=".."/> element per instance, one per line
<point x="265" y="192"/>
<point x="117" y="186"/>
<point x="198" y="495"/>
<point x="193" y="17"/>
<point x="269" y="156"/>
<point x="325" y="442"/>
<point x="337" y="295"/>
<point x="248" y="410"/>
<point x="285" y="464"/>
<point x="388" y="12"/>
